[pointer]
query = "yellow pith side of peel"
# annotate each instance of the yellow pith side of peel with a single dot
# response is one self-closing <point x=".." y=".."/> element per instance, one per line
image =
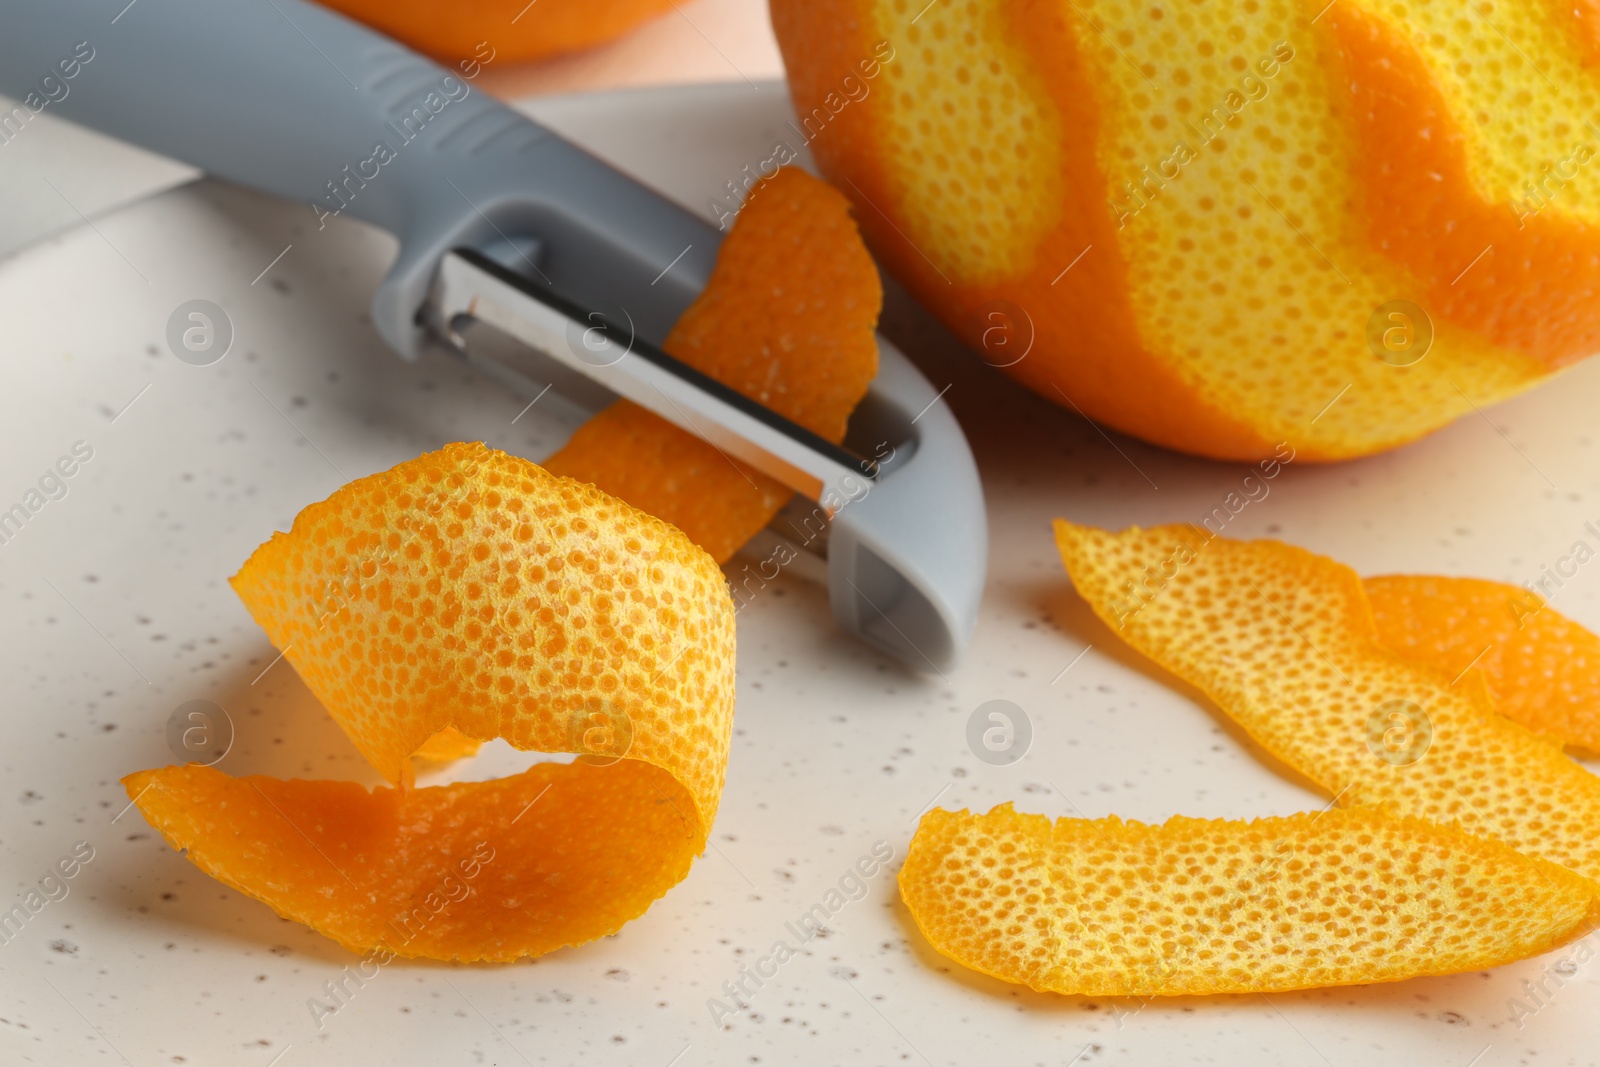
<point x="1200" y="215"/>
<point x="1254" y="250"/>
<point x="471" y="590"/>
<point x="1284" y="641"/>
<point x="447" y="745"/>
<point x="1464" y="840"/>
<point x="1113" y="908"/>
<point x="995" y="150"/>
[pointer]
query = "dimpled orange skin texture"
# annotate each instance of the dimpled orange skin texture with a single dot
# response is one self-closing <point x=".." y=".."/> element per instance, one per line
<point x="1542" y="669"/>
<point x="787" y="318"/>
<point x="455" y="32"/>
<point x="1536" y="289"/>
<point x="1113" y="908"/>
<point x="472" y="589"/>
<point x="1224" y="304"/>
<point x="1284" y="642"/>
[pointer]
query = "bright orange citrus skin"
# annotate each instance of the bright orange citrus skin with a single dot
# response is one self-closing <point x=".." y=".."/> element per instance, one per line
<point x="1542" y="668"/>
<point x="472" y="590"/>
<point x="824" y="39"/>
<point x="468" y="594"/>
<point x="452" y="33"/>
<point x="1195" y="214"/>
<point x="1285" y="642"/>
<point x="1536" y="288"/>
<point x="787" y="319"/>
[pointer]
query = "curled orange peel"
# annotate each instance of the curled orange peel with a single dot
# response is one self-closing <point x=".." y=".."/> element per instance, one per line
<point x="468" y="595"/>
<point x="1542" y="669"/>
<point x="1284" y="642"/>
<point x="787" y="319"/>
<point x="472" y="590"/>
<point x="1113" y="908"/>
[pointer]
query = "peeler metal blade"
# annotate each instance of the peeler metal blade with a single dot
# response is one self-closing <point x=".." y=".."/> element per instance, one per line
<point x="897" y="513"/>
<point x="470" y="287"/>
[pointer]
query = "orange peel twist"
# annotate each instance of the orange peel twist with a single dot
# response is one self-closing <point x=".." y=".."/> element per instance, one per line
<point x="494" y="598"/>
<point x="468" y="595"/>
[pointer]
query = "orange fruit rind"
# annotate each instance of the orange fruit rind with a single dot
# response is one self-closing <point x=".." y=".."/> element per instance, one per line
<point x="1542" y="668"/>
<point x="1196" y="906"/>
<point x="493" y="599"/>
<point x="471" y="35"/>
<point x="787" y="318"/>
<point x="1284" y="642"/>
<point x="468" y="595"/>
<point x="1202" y="217"/>
<point x="509" y="603"/>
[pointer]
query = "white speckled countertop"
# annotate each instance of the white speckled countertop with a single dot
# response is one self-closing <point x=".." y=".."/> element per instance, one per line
<point x="117" y="611"/>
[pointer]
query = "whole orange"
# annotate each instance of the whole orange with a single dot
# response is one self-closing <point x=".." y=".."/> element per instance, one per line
<point x="474" y="30"/>
<point x="1227" y="224"/>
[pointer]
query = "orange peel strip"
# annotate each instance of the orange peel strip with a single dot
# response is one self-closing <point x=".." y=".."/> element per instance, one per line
<point x="787" y="319"/>
<point x="470" y="595"/>
<point x="637" y="456"/>
<point x="445" y="872"/>
<point x="471" y="589"/>
<point x="1113" y="908"/>
<point x="1542" y="668"/>
<point x="1283" y="640"/>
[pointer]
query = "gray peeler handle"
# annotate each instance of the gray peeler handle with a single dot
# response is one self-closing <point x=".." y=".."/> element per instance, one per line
<point x="297" y="101"/>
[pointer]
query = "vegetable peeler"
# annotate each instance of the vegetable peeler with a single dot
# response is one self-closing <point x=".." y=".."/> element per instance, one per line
<point x="523" y="255"/>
